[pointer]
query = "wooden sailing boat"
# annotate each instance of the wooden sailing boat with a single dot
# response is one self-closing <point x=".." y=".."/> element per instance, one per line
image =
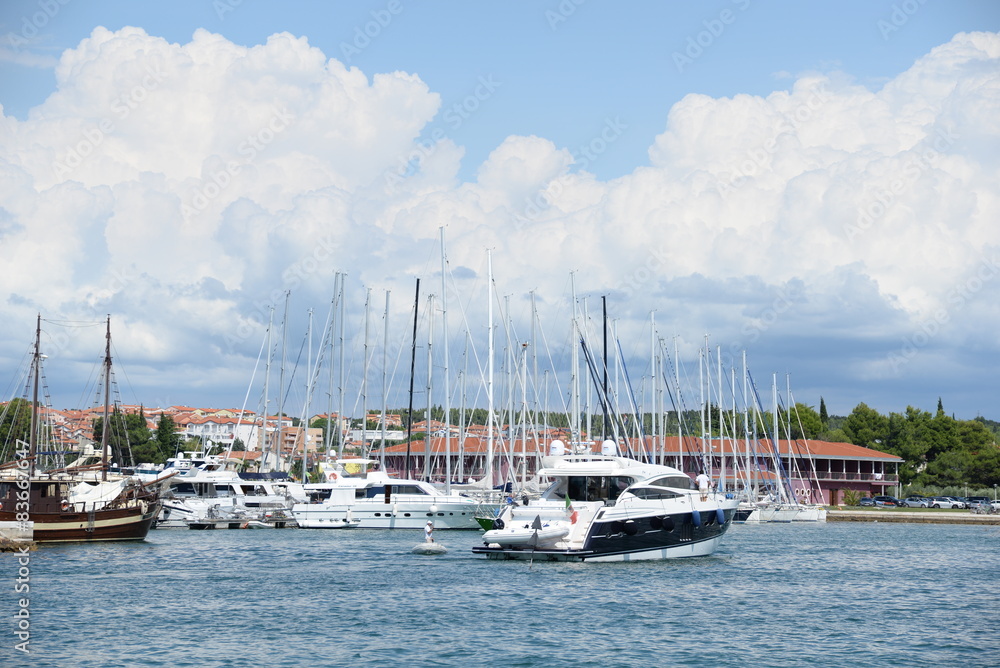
<point x="85" y="503"/>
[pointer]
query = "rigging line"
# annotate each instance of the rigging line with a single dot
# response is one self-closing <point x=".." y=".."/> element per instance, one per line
<point x="128" y="381"/>
<point x="776" y="455"/>
<point x="246" y="398"/>
<point x="635" y="409"/>
<point x="295" y="368"/>
<point x="76" y="324"/>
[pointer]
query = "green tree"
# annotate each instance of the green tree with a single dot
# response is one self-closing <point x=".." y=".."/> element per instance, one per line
<point x="168" y="441"/>
<point x="127" y="436"/>
<point x="806" y="423"/>
<point x="15" y="423"/>
<point x="866" y="427"/>
<point x="824" y="418"/>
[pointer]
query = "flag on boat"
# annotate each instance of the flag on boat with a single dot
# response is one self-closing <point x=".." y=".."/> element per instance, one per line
<point x="573" y="514"/>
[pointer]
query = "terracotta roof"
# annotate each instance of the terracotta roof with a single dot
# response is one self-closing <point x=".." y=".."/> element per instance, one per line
<point x="672" y="444"/>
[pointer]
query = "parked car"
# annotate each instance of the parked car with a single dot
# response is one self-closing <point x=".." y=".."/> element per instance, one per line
<point x="959" y="501"/>
<point x="867" y="501"/>
<point x="888" y="500"/>
<point x="916" y="502"/>
<point x="980" y="504"/>
<point x="944" y="502"/>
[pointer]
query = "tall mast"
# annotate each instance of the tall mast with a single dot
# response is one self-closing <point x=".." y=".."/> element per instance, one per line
<point x="413" y="359"/>
<point x="305" y="406"/>
<point x="329" y="379"/>
<point x="574" y="381"/>
<point x="447" y="386"/>
<point x="262" y="440"/>
<point x="654" y="415"/>
<point x="36" y="364"/>
<point x="604" y="329"/>
<point x="385" y="387"/>
<point x="341" y="389"/>
<point x="489" y="372"/>
<point x="107" y="398"/>
<point x="364" y="377"/>
<point x="430" y="368"/>
<point x="281" y="382"/>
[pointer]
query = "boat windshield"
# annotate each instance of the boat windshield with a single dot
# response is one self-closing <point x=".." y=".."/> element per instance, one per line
<point x="595" y="488"/>
<point x="678" y="481"/>
<point x="379" y="490"/>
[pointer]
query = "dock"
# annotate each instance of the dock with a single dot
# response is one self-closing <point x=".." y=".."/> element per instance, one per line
<point x="267" y="523"/>
<point x="913" y="517"/>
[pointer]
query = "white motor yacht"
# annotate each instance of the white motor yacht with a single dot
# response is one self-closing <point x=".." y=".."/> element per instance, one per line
<point x="610" y="508"/>
<point x="358" y="493"/>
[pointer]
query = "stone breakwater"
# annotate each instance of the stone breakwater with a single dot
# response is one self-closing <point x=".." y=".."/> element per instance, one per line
<point x="927" y="517"/>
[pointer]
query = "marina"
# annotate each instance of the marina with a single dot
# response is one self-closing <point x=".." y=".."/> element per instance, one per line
<point x="845" y="594"/>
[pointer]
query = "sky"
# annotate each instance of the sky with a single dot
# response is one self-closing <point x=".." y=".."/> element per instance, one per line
<point x="808" y="186"/>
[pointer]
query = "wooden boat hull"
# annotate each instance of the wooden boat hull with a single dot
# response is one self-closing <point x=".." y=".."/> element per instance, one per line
<point x="128" y="523"/>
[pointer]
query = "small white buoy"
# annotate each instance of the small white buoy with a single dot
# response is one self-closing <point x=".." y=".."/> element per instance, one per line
<point x="429" y="548"/>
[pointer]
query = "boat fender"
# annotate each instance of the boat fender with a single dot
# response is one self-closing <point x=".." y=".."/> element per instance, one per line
<point x="656" y="523"/>
<point x="720" y="515"/>
<point x="696" y="518"/>
<point x="498" y="523"/>
<point x="630" y="528"/>
<point x="65" y="505"/>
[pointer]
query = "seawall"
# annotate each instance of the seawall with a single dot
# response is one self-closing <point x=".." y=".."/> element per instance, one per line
<point x="918" y="517"/>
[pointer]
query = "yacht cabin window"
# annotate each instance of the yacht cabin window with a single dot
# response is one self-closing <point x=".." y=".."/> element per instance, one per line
<point x="597" y="488"/>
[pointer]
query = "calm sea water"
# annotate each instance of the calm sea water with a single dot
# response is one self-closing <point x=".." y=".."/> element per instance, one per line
<point x="840" y="594"/>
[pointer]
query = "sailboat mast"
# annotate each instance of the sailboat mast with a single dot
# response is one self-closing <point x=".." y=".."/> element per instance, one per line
<point x="37" y="368"/>
<point x="281" y="383"/>
<point x="413" y="361"/>
<point x="604" y="329"/>
<point x="107" y="399"/>
<point x="305" y="407"/>
<point x="364" y="376"/>
<point x="341" y="389"/>
<point x="262" y="441"/>
<point x="447" y="386"/>
<point x="574" y="435"/>
<point x="430" y="387"/>
<point x="489" y="371"/>
<point x="328" y="441"/>
<point x="385" y="387"/>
